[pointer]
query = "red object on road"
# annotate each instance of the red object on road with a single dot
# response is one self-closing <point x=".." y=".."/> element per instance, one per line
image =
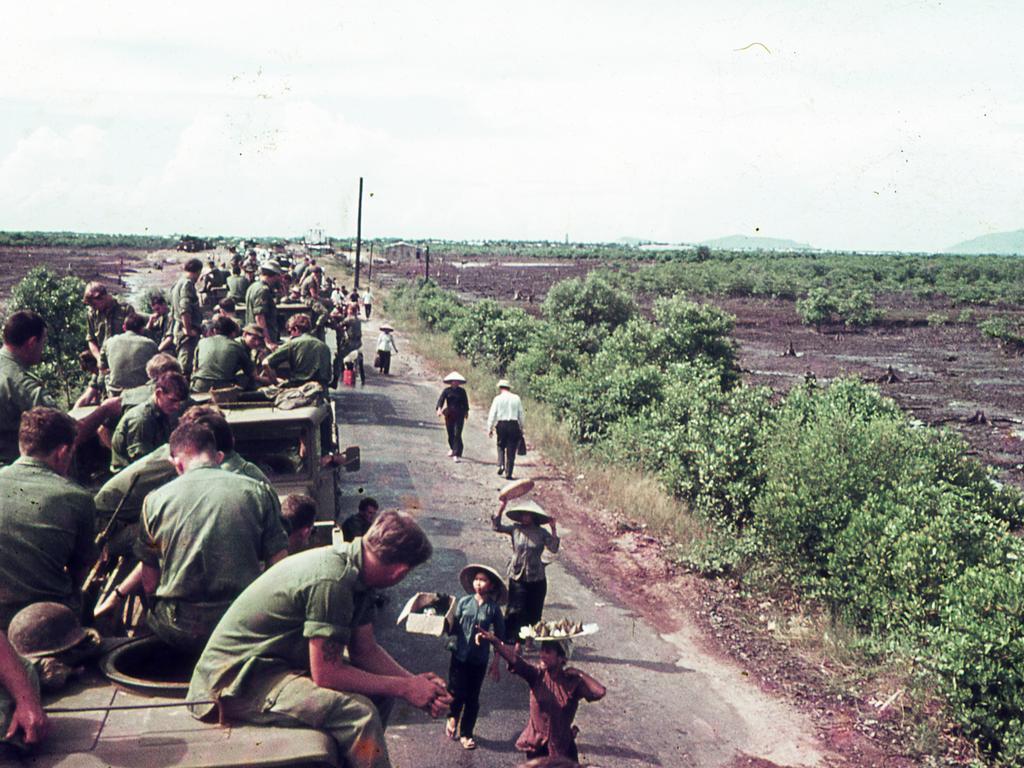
<point x="348" y="378"/>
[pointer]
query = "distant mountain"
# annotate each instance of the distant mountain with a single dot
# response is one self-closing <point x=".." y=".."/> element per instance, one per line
<point x="1001" y="243"/>
<point x="745" y="243"/>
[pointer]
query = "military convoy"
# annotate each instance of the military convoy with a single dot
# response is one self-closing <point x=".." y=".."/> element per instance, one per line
<point x="129" y="709"/>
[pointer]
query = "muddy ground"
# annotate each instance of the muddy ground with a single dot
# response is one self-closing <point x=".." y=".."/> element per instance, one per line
<point x="946" y="375"/>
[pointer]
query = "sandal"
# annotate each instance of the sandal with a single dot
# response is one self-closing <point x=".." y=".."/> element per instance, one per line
<point x="449" y="728"/>
<point x="467" y="742"/>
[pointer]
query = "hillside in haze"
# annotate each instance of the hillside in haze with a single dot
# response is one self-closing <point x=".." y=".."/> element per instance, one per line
<point x="1000" y="243"/>
<point x="745" y="243"/>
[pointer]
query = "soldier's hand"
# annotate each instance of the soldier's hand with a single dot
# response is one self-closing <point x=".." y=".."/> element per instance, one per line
<point x="423" y="691"/>
<point x="29" y="718"/>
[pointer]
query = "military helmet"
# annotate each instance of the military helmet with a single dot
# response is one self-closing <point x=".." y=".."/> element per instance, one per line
<point x="45" y="629"/>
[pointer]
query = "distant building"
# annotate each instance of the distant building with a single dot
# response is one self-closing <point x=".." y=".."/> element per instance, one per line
<point x="402" y="251"/>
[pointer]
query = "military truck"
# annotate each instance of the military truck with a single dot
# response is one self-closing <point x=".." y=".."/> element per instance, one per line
<point x="129" y="709"/>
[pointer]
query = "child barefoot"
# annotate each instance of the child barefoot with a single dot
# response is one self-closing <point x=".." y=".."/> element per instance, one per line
<point x="480" y="610"/>
<point x="555" y="693"/>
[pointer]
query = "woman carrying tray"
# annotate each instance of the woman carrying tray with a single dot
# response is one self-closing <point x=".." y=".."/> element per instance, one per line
<point x="527" y="581"/>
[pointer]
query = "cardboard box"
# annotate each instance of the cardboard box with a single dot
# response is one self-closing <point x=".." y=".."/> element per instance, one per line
<point x="426" y="624"/>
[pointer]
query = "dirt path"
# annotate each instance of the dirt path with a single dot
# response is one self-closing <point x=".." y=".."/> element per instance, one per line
<point x="670" y="702"/>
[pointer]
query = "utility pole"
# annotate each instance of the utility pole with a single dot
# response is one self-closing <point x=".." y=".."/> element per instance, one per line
<point x="426" y="274"/>
<point x="369" y="266"/>
<point x="359" y="230"/>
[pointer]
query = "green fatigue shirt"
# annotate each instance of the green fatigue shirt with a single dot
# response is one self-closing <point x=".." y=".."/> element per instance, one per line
<point x="158" y="327"/>
<point x="208" y="531"/>
<point x="47" y="525"/>
<point x="221" y="362"/>
<point x="352" y="330"/>
<point x="237" y="287"/>
<point x="153" y="471"/>
<point x="259" y="300"/>
<point x="185" y="301"/>
<point x="20" y="391"/>
<point x="266" y="631"/>
<point x="137" y="395"/>
<point x="308" y="358"/>
<point x="100" y="327"/>
<point x="125" y="356"/>
<point x="141" y="430"/>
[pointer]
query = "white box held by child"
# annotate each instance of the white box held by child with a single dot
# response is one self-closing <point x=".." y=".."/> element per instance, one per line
<point x="428" y="613"/>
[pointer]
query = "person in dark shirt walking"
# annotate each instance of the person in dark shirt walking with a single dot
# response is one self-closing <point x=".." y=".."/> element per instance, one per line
<point x="453" y="405"/>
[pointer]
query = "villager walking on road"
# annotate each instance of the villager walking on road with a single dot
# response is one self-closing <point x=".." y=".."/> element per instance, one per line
<point x="527" y="580"/>
<point x="453" y="405"/>
<point x="385" y="347"/>
<point x="506" y="416"/>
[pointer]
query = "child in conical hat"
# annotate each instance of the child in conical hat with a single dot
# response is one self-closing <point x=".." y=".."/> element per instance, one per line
<point x="477" y="612"/>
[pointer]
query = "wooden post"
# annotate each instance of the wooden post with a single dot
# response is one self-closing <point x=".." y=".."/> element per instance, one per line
<point x="359" y="230"/>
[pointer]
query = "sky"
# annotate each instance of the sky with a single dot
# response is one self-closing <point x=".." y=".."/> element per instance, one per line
<point x="846" y="125"/>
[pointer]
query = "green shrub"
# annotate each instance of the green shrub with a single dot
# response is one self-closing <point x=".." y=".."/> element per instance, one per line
<point x="594" y="301"/>
<point x="1005" y="330"/>
<point x="59" y="301"/>
<point x="937" y="319"/>
<point x="489" y="334"/>
<point x="978" y="651"/>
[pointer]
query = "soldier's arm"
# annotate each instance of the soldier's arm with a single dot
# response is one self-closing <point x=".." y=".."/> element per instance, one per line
<point x="28" y="716"/>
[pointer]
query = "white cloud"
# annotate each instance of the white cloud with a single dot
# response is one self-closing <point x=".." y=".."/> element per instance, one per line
<point x="859" y="125"/>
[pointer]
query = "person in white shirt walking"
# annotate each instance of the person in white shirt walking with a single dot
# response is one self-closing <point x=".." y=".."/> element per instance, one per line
<point x="367" y="302"/>
<point x="385" y="346"/>
<point x="506" y="416"/>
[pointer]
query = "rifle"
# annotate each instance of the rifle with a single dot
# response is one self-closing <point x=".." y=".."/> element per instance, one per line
<point x="103" y="567"/>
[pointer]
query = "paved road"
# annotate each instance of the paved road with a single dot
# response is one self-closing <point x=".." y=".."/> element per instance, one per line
<point x="667" y="704"/>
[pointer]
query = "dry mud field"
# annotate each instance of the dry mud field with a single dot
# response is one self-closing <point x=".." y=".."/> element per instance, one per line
<point x="949" y="375"/>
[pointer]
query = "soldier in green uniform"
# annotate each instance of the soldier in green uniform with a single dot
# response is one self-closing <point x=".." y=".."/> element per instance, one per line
<point x="260" y="308"/>
<point x="146" y="427"/>
<point x="157" y="364"/>
<point x="123" y="357"/>
<point x="105" y="319"/>
<point x="47" y="522"/>
<point x="221" y="360"/>
<point x="187" y="315"/>
<point x="155" y="469"/>
<point x="277" y="656"/>
<point x="159" y="323"/>
<point x="308" y="358"/>
<point x="238" y="284"/>
<point x="20" y="390"/>
<point x="348" y="334"/>
<point x="203" y="538"/>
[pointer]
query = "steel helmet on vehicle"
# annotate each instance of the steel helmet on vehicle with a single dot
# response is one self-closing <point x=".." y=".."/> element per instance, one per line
<point x="45" y="629"/>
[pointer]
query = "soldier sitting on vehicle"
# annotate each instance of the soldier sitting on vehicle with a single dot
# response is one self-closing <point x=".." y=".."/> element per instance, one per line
<point x="155" y="469"/>
<point x="146" y="427"/>
<point x="158" y="364"/>
<point x="278" y="655"/>
<point x="308" y="358"/>
<point x="221" y="360"/>
<point x="238" y="284"/>
<point x="158" y="325"/>
<point x="47" y="522"/>
<point x="298" y="513"/>
<point x="20" y="390"/>
<point x="123" y="357"/>
<point x="203" y="538"/>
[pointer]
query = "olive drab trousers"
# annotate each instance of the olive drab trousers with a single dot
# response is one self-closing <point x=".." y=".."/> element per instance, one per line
<point x="296" y="701"/>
